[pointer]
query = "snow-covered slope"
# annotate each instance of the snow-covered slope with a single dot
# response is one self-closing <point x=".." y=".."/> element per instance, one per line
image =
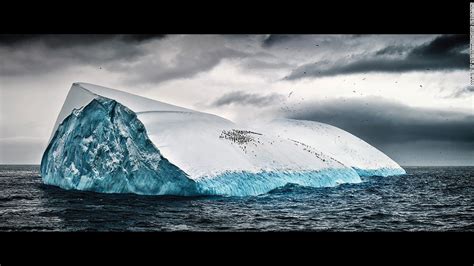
<point x="337" y="143"/>
<point x="111" y="141"/>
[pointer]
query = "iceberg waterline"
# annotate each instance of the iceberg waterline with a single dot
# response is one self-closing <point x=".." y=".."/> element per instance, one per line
<point x="379" y="172"/>
<point x="246" y="184"/>
<point x="103" y="146"/>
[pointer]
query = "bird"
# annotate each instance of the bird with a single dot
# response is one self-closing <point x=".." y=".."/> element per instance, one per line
<point x="421" y="86"/>
<point x="290" y="94"/>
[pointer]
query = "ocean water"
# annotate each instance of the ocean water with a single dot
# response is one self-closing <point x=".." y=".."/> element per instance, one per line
<point x="426" y="199"/>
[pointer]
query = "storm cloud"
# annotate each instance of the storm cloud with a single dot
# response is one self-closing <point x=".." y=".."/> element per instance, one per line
<point x="381" y="121"/>
<point x="71" y="40"/>
<point x="466" y="91"/>
<point x="275" y="39"/>
<point x="41" y="54"/>
<point x="186" y="64"/>
<point x="446" y="52"/>
<point x="124" y="53"/>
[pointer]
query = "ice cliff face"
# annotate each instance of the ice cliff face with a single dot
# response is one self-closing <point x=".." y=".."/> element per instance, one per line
<point x="103" y="147"/>
<point x="110" y="141"/>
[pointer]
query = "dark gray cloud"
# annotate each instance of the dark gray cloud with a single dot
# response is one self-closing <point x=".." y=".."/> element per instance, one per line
<point x="442" y="46"/>
<point x="380" y="121"/>
<point x="12" y="39"/>
<point x="466" y="91"/>
<point x="301" y="42"/>
<point x="393" y="50"/>
<point x="41" y="54"/>
<point x="141" y="37"/>
<point x="432" y="153"/>
<point x="445" y="52"/>
<point x="274" y="39"/>
<point x="72" y="40"/>
<point x="244" y="98"/>
<point x="186" y="64"/>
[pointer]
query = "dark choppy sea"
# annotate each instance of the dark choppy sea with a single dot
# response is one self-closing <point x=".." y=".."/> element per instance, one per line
<point x="426" y="199"/>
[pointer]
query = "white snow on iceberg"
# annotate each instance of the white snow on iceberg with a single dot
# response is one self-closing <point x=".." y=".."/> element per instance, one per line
<point x="110" y="141"/>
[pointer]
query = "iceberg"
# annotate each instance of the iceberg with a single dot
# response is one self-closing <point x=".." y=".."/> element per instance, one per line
<point x="109" y="141"/>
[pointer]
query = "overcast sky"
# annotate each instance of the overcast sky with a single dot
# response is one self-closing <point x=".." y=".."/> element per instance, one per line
<point x="407" y="95"/>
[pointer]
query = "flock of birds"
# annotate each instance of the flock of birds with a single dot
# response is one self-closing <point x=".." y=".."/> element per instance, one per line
<point x="244" y="137"/>
<point x="241" y="137"/>
<point x="289" y="109"/>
